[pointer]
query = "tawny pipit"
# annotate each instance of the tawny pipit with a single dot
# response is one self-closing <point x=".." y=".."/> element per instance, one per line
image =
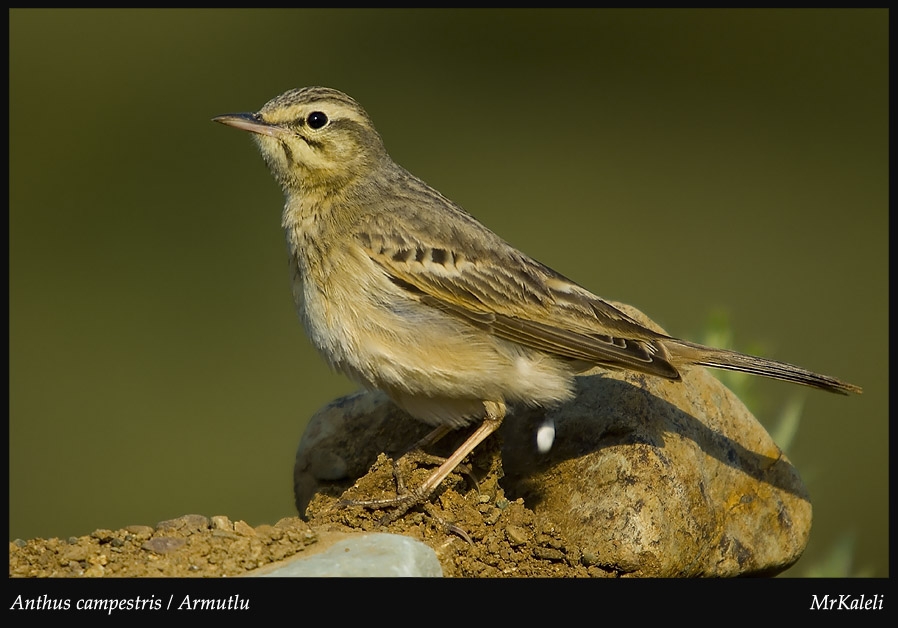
<point x="402" y="290"/>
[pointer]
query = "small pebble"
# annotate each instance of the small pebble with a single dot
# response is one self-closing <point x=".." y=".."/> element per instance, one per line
<point x="141" y="532"/>
<point x="243" y="528"/>
<point x="163" y="544"/>
<point x="547" y="553"/>
<point x="516" y="535"/>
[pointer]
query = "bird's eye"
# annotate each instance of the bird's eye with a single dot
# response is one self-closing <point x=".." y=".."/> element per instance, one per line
<point x="316" y="119"/>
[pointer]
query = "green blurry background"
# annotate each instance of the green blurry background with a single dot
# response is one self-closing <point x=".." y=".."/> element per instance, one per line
<point x="685" y="162"/>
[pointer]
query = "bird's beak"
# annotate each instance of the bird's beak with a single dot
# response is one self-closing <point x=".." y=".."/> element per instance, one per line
<point x="249" y="122"/>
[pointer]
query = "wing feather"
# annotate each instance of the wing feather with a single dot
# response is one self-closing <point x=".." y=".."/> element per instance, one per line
<point x="518" y="299"/>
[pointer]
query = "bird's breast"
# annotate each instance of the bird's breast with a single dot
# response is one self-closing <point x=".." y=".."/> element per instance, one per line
<point x="383" y="336"/>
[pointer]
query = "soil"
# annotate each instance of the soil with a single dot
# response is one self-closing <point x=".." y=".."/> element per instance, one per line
<point x="474" y="530"/>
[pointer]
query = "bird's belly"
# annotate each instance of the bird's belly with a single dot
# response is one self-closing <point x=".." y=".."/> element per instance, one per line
<point x="436" y="366"/>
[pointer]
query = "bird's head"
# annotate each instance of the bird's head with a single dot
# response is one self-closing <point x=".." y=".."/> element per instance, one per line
<point x="313" y="137"/>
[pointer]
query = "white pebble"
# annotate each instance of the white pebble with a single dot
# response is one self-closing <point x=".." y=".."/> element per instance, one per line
<point x="545" y="436"/>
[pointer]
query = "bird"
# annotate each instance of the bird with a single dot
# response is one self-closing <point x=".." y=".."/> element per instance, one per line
<point x="402" y="290"/>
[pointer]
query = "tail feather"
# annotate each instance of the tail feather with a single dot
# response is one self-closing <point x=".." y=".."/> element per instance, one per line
<point x="692" y="353"/>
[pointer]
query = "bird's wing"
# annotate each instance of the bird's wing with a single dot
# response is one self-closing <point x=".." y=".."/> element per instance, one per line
<point x="497" y="288"/>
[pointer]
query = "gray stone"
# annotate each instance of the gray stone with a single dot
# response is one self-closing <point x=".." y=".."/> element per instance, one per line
<point x="363" y="555"/>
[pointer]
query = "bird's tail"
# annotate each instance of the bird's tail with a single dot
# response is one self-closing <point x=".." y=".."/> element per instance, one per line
<point x="692" y="353"/>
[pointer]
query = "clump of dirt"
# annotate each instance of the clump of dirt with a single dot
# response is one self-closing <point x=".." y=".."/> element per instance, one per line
<point x="192" y="545"/>
<point x="474" y="530"/>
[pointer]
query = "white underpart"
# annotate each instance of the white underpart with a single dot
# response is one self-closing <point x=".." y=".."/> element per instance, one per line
<point x="528" y="375"/>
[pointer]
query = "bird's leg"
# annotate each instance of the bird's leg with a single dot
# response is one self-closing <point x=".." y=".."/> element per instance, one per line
<point x="417" y="452"/>
<point x="495" y="412"/>
<point x="446" y="526"/>
<point x="431" y="437"/>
